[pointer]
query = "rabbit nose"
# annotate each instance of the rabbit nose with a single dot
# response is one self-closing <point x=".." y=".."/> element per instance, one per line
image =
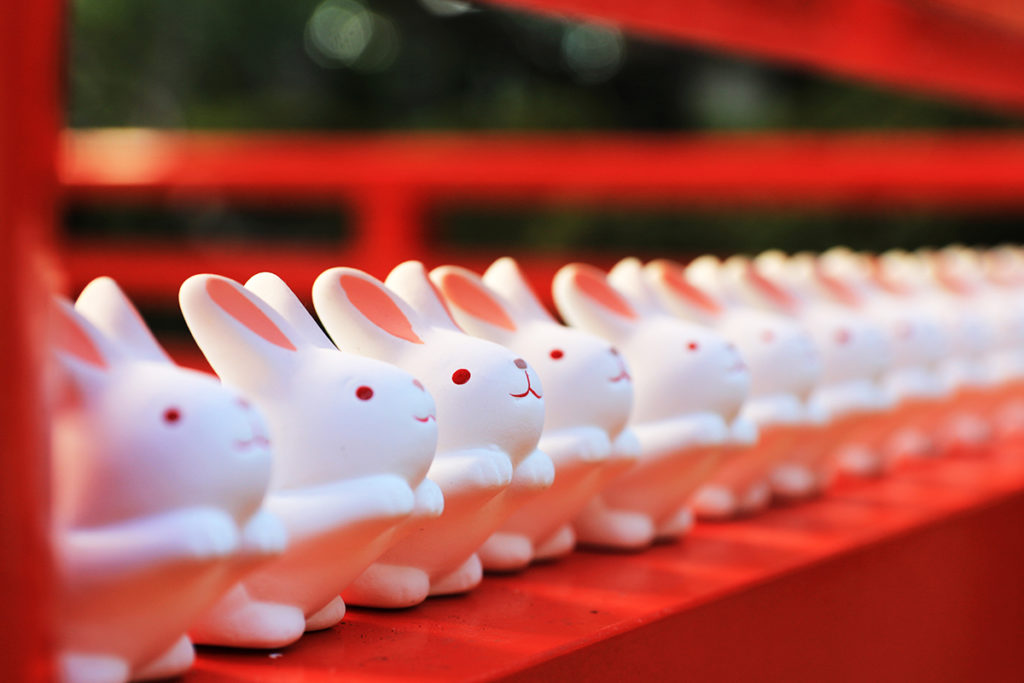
<point x="520" y="363"/>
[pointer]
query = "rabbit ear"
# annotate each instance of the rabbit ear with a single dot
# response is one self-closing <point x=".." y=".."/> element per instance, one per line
<point x="362" y="315"/>
<point x="765" y="290"/>
<point x="586" y="300"/>
<point x="669" y="279"/>
<point x="474" y="307"/>
<point x="105" y="305"/>
<point x="246" y="341"/>
<point x="82" y="351"/>
<point x="507" y="279"/>
<point x="628" y="278"/>
<point x="282" y="299"/>
<point x="409" y="280"/>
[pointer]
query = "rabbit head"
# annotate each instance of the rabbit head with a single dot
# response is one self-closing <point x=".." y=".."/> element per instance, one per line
<point x="851" y="346"/>
<point x="333" y="415"/>
<point x="677" y="367"/>
<point x="585" y="379"/>
<point x="135" y="434"/>
<point x="780" y="353"/>
<point x="487" y="396"/>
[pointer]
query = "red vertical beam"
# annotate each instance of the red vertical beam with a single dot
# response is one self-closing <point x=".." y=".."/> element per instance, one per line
<point x="30" y="66"/>
<point x="389" y="227"/>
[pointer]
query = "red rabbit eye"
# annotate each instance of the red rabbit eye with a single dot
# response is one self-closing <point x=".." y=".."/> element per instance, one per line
<point x="557" y="353"/>
<point x="364" y="393"/>
<point x="843" y="336"/>
<point x="692" y="346"/>
<point x="172" y="415"/>
<point x="460" y="376"/>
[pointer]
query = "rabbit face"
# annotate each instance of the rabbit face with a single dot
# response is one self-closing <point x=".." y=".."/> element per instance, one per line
<point x="134" y="438"/>
<point x="851" y="347"/>
<point x="357" y="417"/>
<point x="333" y="415"/>
<point x="587" y="380"/>
<point x="681" y="368"/>
<point x="486" y="394"/>
<point x="782" y="356"/>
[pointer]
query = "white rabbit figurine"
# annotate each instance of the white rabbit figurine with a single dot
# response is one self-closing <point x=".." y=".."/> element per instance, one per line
<point x="159" y="475"/>
<point x="354" y="438"/>
<point x="588" y="397"/>
<point x="689" y="384"/>
<point x="784" y="370"/>
<point x="489" y="415"/>
<point x="914" y="336"/>
<point x="853" y="352"/>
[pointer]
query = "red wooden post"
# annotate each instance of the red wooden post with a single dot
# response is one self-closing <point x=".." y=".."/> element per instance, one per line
<point x="30" y="64"/>
<point x="389" y="228"/>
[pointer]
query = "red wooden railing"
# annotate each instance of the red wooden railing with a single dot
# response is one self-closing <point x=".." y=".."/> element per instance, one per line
<point x="392" y="183"/>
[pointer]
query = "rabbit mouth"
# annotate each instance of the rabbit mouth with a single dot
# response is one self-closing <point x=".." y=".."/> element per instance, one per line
<point x="529" y="389"/>
<point x="620" y="377"/>
<point x="253" y="441"/>
<point x="428" y="418"/>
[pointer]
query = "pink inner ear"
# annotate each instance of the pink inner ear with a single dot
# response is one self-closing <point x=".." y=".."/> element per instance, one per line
<point x="374" y="303"/>
<point x="592" y="283"/>
<point x="674" y="278"/>
<point x="769" y="288"/>
<point x="72" y="339"/>
<point x="471" y="298"/>
<point x="444" y="304"/>
<point x="239" y="307"/>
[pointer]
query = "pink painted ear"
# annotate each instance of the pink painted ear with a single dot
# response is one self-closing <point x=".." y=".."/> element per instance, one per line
<point x="673" y="277"/>
<point x="473" y="298"/>
<point x="238" y="306"/>
<point x="592" y="282"/>
<point x="377" y="307"/>
<point x="836" y="287"/>
<point x="779" y="296"/>
<point x="70" y="338"/>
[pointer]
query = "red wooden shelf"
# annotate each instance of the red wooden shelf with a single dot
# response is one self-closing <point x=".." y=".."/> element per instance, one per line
<point x="914" y="577"/>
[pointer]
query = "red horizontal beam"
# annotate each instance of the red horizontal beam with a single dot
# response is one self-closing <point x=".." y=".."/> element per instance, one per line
<point x="932" y="46"/>
<point x="913" y="578"/>
<point x="800" y="169"/>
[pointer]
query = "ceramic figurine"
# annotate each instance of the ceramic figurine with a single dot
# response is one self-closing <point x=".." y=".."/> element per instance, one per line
<point x="853" y="352"/>
<point x="784" y="370"/>
<point x="489" y="414"/>
<point x="159" y="475"/>
<point x="916" y="342"/>
<point x="964" y="369"/>
<point x="353" y="440"/>
<point x="689" y="384"/>
<point x="588" y="397"/>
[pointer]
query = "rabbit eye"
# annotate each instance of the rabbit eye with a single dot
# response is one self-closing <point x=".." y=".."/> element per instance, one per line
<point x="693" y="346"/>
<point x="172" y="416"/>
<point x="768" y="336"/>
<point x="460" y="376"/>
<point x="843" y="336"/>
<point x="556" y="353"/>
<point x="364" y="393"/>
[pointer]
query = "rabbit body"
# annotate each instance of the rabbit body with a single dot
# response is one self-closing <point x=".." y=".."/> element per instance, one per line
<point x="689" y="386"/>
<point x="355" y="438"/>
<point x="159" y="476"/>
<point x="588" y="397"/>
<point x="490" y="412"/>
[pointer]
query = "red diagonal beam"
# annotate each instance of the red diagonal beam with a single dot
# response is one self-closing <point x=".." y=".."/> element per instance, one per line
<point x="932" y="46"/>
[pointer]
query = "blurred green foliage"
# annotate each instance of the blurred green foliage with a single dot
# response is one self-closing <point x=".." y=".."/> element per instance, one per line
<point x="398" y="65"/>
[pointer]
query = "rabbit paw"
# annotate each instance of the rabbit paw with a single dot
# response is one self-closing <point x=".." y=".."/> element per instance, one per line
<point x="594" y="446"/>
<point x="429" y="500"/>
<point x="208" y="534"/>
<point x="537" y="472"/>
<point x="395" y="499"/>
<point x="264" y="535"/>
<point x="175" y="661"/>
